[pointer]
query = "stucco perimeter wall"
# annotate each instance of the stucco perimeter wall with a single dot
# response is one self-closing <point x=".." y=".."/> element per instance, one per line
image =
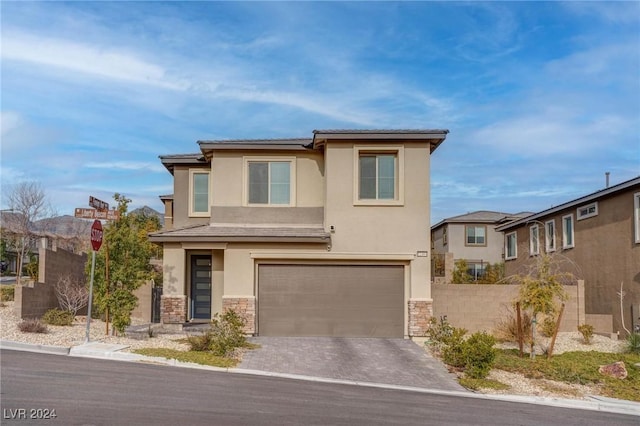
<point x="34" y="299"/>
<point x="479" y="307"/>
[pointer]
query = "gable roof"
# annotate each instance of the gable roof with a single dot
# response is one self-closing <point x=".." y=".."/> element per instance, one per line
<point x="594" y="196"/>
<point x="483" y="216"/>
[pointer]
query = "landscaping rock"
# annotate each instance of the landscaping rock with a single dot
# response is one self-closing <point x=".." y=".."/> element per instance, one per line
<point x="616" y="370"/>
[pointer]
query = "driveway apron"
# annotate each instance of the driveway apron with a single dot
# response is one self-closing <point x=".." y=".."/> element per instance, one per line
<point x="387" y="361"/>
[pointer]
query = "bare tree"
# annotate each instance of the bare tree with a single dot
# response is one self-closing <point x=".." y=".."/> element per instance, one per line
<point x="28" y="203"/>
<point x="72" y="293"/>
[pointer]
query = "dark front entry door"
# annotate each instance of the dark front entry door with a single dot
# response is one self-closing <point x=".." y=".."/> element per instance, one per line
<point x="201" y="287"/>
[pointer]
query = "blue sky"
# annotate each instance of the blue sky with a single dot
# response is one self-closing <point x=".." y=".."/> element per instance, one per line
<point x="541" y="99"/>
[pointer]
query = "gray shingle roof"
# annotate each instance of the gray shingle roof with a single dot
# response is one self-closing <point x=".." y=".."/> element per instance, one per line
<point x="483" y="216"/>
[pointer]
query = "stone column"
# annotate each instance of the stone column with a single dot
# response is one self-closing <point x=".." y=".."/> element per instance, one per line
<point x="245" y="307"/>
<point x="420" y="311"/>
<point x="173" y="309"/>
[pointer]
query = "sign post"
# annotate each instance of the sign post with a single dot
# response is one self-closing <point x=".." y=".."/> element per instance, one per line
<point x="96" y="242"/>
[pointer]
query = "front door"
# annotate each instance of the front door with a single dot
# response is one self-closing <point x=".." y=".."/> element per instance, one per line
<point x="201" y="287"/>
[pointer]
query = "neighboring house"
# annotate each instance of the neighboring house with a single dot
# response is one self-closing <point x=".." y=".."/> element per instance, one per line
<point x="321" y="236"/>
<point x="600" y="235"/>
<point x="471" y="237"/>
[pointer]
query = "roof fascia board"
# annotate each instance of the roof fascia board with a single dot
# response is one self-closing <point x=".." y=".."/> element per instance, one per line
<point x="574" y="203"/>
<point x="228" y="239"/>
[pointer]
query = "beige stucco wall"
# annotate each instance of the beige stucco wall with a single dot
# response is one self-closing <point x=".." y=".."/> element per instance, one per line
<point x="174" y="269"/>
<point x="228" y="178"/>
<point x="399" y="229"/>
<point x="492" y="252"/>
<point x="181" y="198"/>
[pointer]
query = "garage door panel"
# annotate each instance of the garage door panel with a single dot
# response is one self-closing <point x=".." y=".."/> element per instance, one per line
<point x="331" y="300"/>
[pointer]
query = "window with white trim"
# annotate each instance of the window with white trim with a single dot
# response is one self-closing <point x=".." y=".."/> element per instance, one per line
<point x="636" y="215"/>
<point x="378" y="175"/>
<point x="534" y="240"/>
<point x="567" y="231"/>
<point x="269" y="182"/>
<point x="550" y="235"/>
<point x="475" y="235"/>
<point x="587" y="211"/>
<point x="511" y="246"/>
<point x="198" y="193"/>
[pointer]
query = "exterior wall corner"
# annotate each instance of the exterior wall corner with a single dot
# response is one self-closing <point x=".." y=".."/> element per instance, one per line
<point x="420" y="312"/>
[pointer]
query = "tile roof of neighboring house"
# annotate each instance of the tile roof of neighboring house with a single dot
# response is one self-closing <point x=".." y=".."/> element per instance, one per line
<point x="212" y="233"/>
<point x="574" y="203"/>
<point x="483" y="216"/>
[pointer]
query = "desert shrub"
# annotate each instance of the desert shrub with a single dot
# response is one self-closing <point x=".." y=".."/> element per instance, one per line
<point x="548" y="326"/>
<point x="32" y="268"/>
<point x="460" y="273"/>
<point x="225" y="334"/>
<point x="633" y="343"/>
<point x="587" y="332"/>
<point x="7" y="293"/>
<point x="479" y="354"/>
<point x="32" y="325"/>
<point x="507" y="327"/>
<point x="72" y="293"/>
<point x="58" y="317"/>
<point x="453" y="349"/>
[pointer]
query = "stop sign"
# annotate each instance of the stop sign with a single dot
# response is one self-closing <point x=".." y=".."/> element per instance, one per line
<point x="96" y="235"/>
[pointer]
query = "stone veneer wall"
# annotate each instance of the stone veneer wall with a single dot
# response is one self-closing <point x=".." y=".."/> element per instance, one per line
<point x="420" y="311"/>
<point x="173" y="309"/>
<point x="245" y="307"/>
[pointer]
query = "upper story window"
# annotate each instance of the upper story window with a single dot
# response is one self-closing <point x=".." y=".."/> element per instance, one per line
<point x="444" y="235"/>
<point x="567" y="231"/>
<point x="198" y="193"/>
<point x="534" y="240"/>
<point x="511" y="246"/>
<point x="476" y="235"/>
<point x="550" y="236"/>
<point x="378" y="175"/>
<point x="636" y="216"/>
<point x="269" y="182"/>
<point x="587" y="211"/>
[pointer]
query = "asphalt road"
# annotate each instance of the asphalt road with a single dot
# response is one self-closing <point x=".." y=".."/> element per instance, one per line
<point x="86" y="391"/>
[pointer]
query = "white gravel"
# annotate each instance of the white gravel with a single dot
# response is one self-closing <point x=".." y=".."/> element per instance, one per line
<point x="519" y="385"/>
<point x="75" y="334"/>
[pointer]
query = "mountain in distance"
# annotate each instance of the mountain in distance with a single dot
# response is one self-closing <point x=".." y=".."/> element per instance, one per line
<point x="148" y="211"/>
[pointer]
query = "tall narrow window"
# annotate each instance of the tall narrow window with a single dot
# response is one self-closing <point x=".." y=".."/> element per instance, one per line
<point x="199" y="193"/>
<point x="567" y="231"/>
<point x="269" y="182"/>
<point x="534" y="240"/>
<point x="511" y="246"/>
<point x="476" y="235"/>
<point x="377" y="177"/>
<point x="636" y="215"/>
<point x="550" y="235"/>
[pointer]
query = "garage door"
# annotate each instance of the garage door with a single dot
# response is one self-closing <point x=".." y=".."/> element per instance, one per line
<point x="331" y="300"/>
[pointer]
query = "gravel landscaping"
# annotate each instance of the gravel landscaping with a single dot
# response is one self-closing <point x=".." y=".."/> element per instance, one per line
<point x="519" y="385"/>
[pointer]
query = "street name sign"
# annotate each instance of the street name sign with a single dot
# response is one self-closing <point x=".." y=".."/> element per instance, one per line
<point x="84" y="213"/>
<point x="98" y="204"/>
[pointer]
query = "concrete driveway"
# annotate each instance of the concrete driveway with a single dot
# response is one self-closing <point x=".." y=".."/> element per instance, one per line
<point x="387" y="361"/>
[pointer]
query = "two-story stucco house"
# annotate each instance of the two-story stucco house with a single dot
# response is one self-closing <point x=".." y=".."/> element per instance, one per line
<point x="599" y="237"/>
<point x="472" y="237"/>
<point x="320" y="236"/>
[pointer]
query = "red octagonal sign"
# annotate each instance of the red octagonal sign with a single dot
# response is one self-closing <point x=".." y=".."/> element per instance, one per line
<point x="96" y="235"/>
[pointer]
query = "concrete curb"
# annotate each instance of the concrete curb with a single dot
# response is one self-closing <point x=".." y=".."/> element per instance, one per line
<point x="595" y="403"/>
<point x="29" y="347"/>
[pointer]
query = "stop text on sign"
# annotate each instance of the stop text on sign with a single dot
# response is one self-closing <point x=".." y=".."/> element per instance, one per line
<point x="96" y="235"/>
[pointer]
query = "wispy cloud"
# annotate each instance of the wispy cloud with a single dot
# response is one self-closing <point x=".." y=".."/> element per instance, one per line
<point x="126" y="165"/>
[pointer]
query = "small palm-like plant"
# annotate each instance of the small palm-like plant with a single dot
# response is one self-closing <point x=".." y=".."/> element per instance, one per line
<point x="633" y="343"/>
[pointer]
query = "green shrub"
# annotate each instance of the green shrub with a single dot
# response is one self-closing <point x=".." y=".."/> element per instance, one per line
<point x="587" y="332"/>
<point x="460" y="274"/>
<point x="7" y="293"/>
<point x="225" y="335"/>
<point x="548" y="326"/>
<point x="58" y="317"/>
<point x="633" y="343"/>
<point x="453" y="348"/>
<point x="32" y="325"/>
<point x="479" y="354"/>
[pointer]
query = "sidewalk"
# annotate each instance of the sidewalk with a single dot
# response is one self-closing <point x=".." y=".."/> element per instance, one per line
<point x="114" y="352"/>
